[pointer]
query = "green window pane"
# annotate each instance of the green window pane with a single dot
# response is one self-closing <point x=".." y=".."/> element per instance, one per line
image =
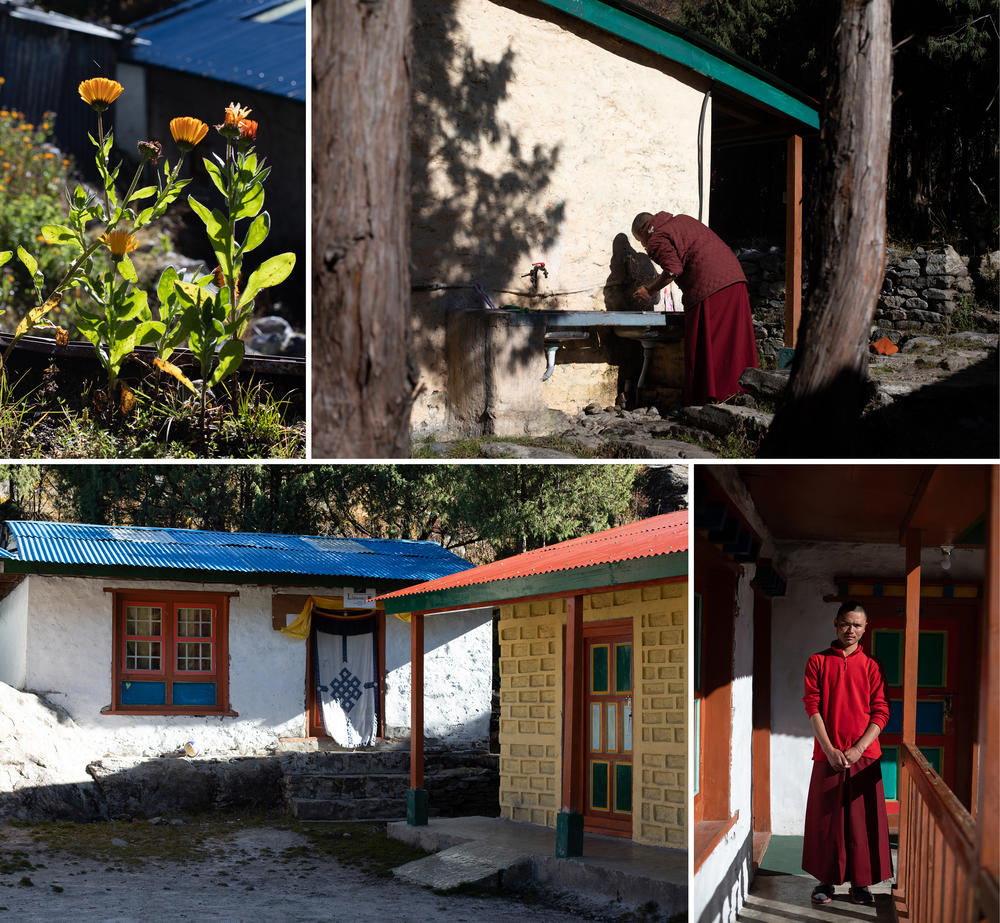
<point x="890" y="772"/>
<point x="931" y="670"/>
<point x="599" y="785"/>
<point x="887" y="648"/>
<point x="933" y="755"/>
<point x="623" y="788"/>
<point x="612" y="727"/>
<point x="623" y="667"/>
<point x="599" y="668"/>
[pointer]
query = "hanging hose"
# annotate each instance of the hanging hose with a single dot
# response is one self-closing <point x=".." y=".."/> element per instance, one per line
<point x="701" y="154"/>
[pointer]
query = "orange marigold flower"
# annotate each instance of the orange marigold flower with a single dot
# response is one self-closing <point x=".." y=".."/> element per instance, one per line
<point x="235" y="113"/>
<point x="100" y="92"/>
<point x="248" y="130"/>
<point x="119" y="242"/>
<point x="187" y="131"/>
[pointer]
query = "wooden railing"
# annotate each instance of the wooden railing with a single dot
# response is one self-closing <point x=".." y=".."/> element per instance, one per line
<point x="939" y="879"/>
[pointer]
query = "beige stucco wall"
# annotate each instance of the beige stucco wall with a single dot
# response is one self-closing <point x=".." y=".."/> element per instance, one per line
<point x="531" y="714"/>
<point x="535" y="138"/>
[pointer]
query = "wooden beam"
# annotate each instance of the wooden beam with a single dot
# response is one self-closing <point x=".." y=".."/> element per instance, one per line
<point x="911" y="635"/>
<point x="988" y="797"/>
<point x="573" y="669"/>
<point x="417" y="700"/>
<point x="793" y="239"/>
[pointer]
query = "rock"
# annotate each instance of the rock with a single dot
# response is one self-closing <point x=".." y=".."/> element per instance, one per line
<point x="592" y="408"/>
<point x="915" y="304"/>
<point x="938" y="294"/>
<point x="664" y="448"/>
<point x="722" y="419"/>
<point x="513" y="450"/>
<point x="763" y="383"/>
<point x="918" y="344"/>
<point x="118" y="841"/>
<point x="269" y="336"/>
<point x="972" y="338"/>
<point x="893" y="301"/>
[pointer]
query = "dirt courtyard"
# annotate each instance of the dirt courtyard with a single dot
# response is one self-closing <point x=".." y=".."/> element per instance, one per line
<point x="199" y="869"/>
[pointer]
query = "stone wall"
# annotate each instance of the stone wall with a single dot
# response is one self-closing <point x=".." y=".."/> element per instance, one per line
<point x="921" y="289"/>
<point x="531" y="683"/>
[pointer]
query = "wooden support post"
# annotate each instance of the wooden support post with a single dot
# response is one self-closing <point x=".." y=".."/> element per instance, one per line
<point x="988" y="795"/>
<point x="416" y="797"/>
<point x="569" y="821"/>
<point x="911" y="641"/>
<point x="793" y="240"/>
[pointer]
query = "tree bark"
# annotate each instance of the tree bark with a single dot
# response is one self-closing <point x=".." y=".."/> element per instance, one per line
<point x="828" y="386"/>
<point x="361" y="389"/>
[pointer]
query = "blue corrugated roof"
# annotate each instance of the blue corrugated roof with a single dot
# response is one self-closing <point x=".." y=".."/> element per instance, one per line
<point x="241" y="552"/>
<point x="235" y="41"/>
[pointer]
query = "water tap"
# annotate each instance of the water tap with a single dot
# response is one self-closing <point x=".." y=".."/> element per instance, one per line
<point x="533" y="274"/>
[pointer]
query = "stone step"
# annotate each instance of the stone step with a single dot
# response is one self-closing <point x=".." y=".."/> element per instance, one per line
<point x="477" y="862"/>
<point x="346" y="762"/>
<point x="369" y="785"/>
<point x="348" y="808"/>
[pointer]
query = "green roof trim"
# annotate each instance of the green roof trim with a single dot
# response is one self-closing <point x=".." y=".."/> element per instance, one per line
<point x="656" y="38"/>
<point x="580" y="579"/>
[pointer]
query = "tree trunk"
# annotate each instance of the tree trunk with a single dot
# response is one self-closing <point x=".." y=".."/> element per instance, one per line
<point x="828" y="386"/>
<point x="361" y="389"/>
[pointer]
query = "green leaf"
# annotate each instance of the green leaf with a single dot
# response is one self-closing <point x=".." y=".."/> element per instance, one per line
<point x="165" y="285"/>
<point x="58" y="234"/>
<point x="144" y="216"/>
<point x="230" y="357"/>
<point x="30" y="263"/>
<point x="269" y="273"/>
<point x="134" y="305"/>
<point x="253" y="202"/>
<point x="5" y="256"/>
<point x="120" y="347"/>
<point x="149" y="332"/>
<point x="215" y="173"/>
<point x="257" y="233"/>
<point x="127" y="269"/>
<point x="214" y="220"/>
<point x="143" y="193"/>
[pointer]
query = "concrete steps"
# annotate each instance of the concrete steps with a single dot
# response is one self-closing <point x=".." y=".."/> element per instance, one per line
<point x="371" y="784"/>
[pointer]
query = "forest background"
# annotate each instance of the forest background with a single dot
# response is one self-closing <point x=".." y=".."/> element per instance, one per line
<point x="482" y="512"/>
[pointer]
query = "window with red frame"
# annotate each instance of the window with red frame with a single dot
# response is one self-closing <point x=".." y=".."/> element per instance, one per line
<point x="170" y="652"/>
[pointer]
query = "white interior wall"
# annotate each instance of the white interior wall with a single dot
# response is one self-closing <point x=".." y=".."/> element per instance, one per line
<point x="458" y="676"/>
<point x="802" y="623"/>
<point x="14" y="636"/>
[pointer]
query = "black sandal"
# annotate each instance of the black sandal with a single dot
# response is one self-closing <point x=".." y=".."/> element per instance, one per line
<point x="861" y="896"/>
<point x="822" y="894"/>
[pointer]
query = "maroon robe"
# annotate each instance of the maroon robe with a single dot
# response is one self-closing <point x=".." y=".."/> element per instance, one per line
<point x="847" y="831"/>
<point x="718" y="327"/>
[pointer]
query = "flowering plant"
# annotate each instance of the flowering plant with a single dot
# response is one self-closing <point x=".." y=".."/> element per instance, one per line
<point x="119" y="316"/>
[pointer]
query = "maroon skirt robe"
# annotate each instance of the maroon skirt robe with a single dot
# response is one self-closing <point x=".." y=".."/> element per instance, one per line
<point x="718" y="345"/>
<point x="847" y="831"/>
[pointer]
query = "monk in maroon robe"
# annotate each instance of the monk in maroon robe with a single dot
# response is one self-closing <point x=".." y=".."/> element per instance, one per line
<point x="718" y="328"/>
<point x="846" y="830"/>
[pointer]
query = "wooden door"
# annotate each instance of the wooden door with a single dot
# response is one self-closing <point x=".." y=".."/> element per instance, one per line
<point x="946" y="685"/>
<point x="608" y="710"/>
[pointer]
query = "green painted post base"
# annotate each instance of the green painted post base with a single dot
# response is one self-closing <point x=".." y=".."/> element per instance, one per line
<point x="416" y="807"/>
<point x="569" y="835"/>
<point x="785" y="356"/>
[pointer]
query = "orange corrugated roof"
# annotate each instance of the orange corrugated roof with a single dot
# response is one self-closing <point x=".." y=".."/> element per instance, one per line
<point x="660" y="535"/>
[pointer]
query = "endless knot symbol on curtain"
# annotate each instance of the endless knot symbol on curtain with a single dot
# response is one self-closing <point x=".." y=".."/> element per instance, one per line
<point x="345" y="690"/>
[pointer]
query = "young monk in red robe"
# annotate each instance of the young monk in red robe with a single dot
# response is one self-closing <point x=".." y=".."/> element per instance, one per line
<point x="846" y="832"/>
<point x="718" y="328"/>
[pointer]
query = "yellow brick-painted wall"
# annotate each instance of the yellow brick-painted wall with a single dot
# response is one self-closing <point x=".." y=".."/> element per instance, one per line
<point x="531" y="684"/>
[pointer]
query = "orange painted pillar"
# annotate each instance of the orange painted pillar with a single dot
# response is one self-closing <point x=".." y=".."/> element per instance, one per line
<point x="416" y="797"/>
<point x="569" y="821"/>
<point x="988" y="789"/>
<point x="793" y="240"/>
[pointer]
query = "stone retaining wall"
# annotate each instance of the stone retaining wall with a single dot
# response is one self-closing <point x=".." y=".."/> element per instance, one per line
<point x="921" y="290"/>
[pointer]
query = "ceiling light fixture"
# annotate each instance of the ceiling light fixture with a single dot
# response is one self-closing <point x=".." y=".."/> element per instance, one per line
<point x="946" y="556"/>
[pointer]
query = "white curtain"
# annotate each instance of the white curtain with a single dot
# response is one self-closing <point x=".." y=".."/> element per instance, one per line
<point x="347" y="687"/>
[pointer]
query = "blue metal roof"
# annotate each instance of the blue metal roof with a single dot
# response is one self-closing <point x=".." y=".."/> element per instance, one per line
<point x="260" y="44"/>
<point x="239" y="552"/>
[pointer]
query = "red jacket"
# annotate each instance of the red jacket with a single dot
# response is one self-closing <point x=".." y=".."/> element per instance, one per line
<point x="695" y="254"/>
<point x="849" y="693"/>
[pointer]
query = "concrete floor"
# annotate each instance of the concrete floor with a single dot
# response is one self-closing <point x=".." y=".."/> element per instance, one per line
<point x="779" y="895"/>
<point x="611" y="868"/>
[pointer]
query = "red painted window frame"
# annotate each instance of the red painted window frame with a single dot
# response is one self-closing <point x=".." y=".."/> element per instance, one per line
<point x="169" y="601"/>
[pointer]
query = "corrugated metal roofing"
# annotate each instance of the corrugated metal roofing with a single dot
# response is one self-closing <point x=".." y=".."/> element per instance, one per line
<point x="241" y="552"/>
<point x="235" y="41"/>
<point x="659" y="535"/>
